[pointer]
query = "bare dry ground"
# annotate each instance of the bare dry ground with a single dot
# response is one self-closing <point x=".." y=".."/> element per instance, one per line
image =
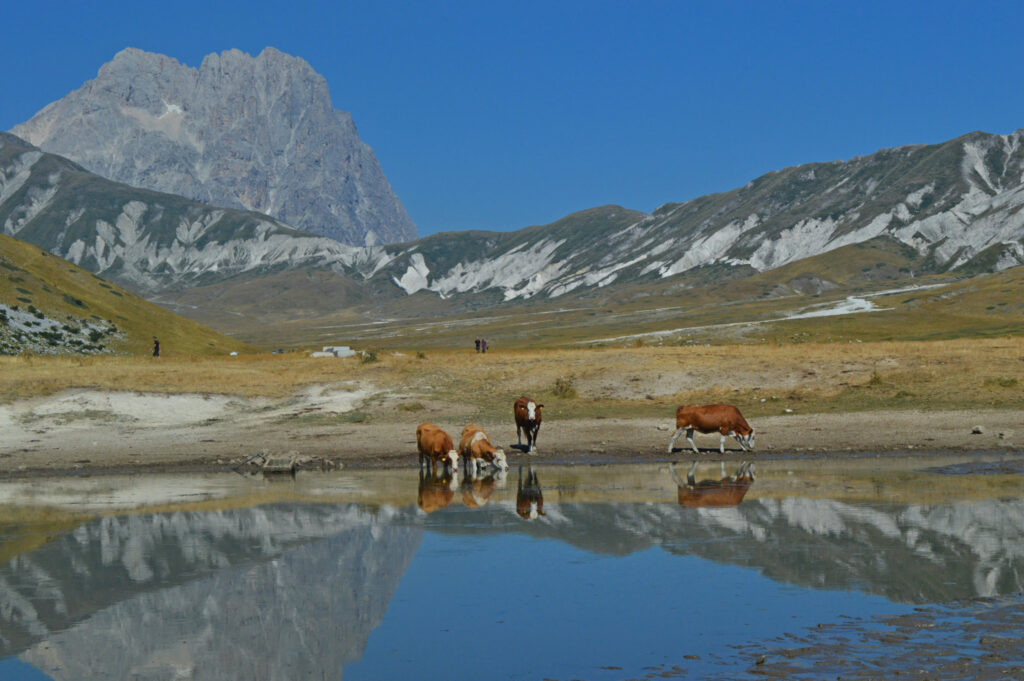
<point x="601" y="405"/>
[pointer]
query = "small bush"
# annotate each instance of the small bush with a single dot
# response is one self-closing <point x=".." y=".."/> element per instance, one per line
<point x="71" y="300"/>
<point x="370" y="356"/>
<point x="411" y="406"/>
<point x="1002" y="382"/>
<point x="564" y="386"/>
<point x="421" y="355"/>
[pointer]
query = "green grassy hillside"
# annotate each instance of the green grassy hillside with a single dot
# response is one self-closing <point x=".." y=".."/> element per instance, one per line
<point x="71" y="310"/>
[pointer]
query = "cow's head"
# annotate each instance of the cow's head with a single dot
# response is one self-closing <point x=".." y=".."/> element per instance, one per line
<point x="749" y="439"/>
<point x="452" y="457"/>
<point x="531" y="410"/>
<point x="500" y="461"/>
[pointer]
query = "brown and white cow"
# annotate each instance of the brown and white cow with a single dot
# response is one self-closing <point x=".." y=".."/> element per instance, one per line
<point x="436" y="491"/>
<point x="724" y="419"/>
<point x="529" y="497"/>
<point x="727" y="491"/>
<point x="479" y="452"/>
<point x="528" y="417"/>
<point x="477" y="492"/>
<point x="436" y="447"/>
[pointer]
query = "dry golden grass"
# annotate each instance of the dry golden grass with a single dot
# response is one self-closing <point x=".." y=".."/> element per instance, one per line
<point x="955" y="374"/>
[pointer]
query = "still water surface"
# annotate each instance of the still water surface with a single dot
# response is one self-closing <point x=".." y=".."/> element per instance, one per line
<point x="345" y="575"/>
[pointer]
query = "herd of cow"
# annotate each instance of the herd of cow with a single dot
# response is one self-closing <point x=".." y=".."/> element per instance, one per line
<point x="439" y="459"/>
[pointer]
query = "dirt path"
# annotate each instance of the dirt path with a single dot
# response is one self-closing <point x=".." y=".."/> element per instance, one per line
<point x="93" y="431"/>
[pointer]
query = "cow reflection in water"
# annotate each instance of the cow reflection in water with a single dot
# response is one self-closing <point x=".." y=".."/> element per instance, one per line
<point x="727" y="491"/>
<point x="437" y="490"/>
<point x="477" y="490"/>
<point x="529" y="498"/>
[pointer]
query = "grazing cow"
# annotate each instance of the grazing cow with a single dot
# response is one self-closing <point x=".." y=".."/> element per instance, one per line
<point x="476" y="492"/>
<point x="436" y="447"/>
<point x="478" y="450"/>
<point x="529" y="499"/>
<point x="724" y="419"/>
<point x="728" y="491"/>
<point x="436" y="491"/>
<point x="528" y="418"/>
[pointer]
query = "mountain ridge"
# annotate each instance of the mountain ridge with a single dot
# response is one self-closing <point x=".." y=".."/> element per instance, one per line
<point x="257" y="133"/>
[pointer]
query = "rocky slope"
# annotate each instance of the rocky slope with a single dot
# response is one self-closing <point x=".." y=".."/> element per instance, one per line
<point x="957" y="205"/>
<point x="50" y="306"/>
<point x="144" y="240"/>
<point x="256" y="133"/>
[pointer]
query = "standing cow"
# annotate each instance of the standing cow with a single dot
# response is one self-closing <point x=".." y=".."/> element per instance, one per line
<point x="435" y="448"/>
<point x="528" y="417"/>
<point x="723" y="419"/>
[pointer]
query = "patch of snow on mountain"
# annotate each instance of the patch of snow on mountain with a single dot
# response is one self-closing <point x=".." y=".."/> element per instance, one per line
<point x="808" y="237"/>
<point x="914" y="199"/>
<point x="416" y="276"/>
<point x="38" y="198"/>
<point x="1001" y="221"/>
<point x="521" y="272"/>
<point x="710" y="248"/>
<point x="974" y="160"/>
<point x="869" y="231"/>
<point x="12" y="179"/>
<point x="599" y="278"/>
<point x="1011" y="257"/>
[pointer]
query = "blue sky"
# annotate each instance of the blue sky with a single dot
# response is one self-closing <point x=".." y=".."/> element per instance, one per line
<point x="500" y="115"/>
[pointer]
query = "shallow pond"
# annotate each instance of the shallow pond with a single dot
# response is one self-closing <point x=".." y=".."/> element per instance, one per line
<point x="348" y="575"/>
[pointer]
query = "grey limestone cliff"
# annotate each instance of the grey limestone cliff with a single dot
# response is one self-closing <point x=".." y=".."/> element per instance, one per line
<point x="258" y="133"/>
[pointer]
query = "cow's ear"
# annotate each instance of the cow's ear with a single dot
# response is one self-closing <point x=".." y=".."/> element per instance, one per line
<point x="540" y="406"/>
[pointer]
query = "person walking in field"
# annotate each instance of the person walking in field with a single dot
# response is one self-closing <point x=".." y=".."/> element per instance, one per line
<point x="155" y="351"/>
<point x="478" y="345"/>
<point x="483" y="345"/>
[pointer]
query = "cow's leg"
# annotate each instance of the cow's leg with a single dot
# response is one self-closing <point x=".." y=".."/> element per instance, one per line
<point x="721" y="444"/>
<point x="689" y="438"/>
<point x="675" y="436"/>
<point x="690" y="477"/>
<point x="533" y="440"/>
<point x="519" y="434"/>
<point x="722" y="463"/>
<point x="472" y="468"/>
<point x="675" y="476"/>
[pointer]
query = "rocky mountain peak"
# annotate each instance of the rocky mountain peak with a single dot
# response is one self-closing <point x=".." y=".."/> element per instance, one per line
<point x="258" y="133"/>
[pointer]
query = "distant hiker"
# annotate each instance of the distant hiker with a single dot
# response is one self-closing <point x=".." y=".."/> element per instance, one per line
<point x="156" y="347"/>
<point x="483" y="345"/>
<point x="478" y="345"/>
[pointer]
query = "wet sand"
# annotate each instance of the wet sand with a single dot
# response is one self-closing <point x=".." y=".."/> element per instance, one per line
<point x="84" y="430"/>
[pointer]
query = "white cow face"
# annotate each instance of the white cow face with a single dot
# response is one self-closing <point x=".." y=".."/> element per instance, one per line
<point x="500" y="461"/>
<point x="453" y="458"/>
<point x="531" y="410"/>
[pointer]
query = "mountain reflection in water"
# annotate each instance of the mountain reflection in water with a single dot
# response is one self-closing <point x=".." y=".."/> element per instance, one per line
<point x="304" y="590"/>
